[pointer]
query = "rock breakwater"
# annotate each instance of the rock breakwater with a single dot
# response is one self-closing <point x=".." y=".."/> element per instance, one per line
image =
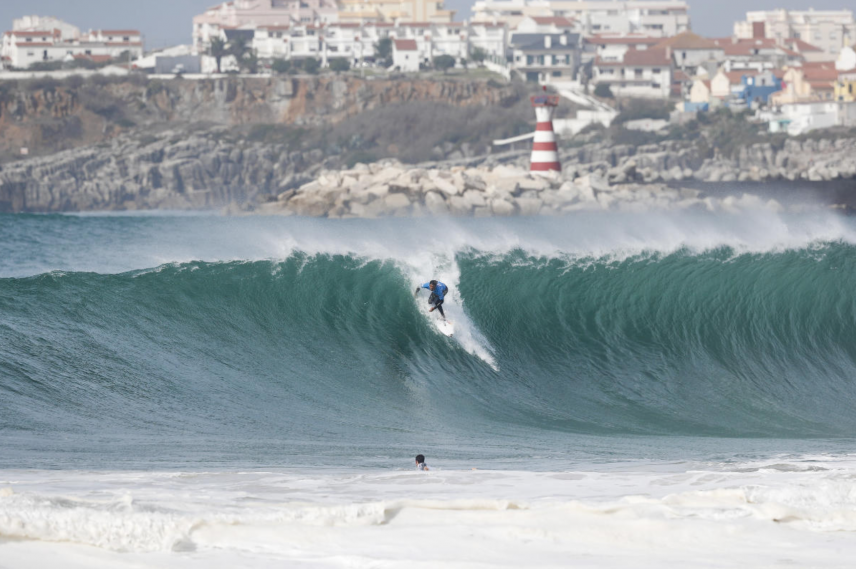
<point x="391" y="189"/>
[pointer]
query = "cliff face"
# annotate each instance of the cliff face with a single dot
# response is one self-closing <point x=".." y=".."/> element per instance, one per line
<point x="205" y="170"/>
<point x="46" y="116"/>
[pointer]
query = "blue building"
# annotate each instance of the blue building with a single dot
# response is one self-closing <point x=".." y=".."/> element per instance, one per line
<point x="758" y="88"/>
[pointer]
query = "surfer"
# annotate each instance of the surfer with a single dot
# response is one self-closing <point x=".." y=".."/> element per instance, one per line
<point x="420" y="462"/>
<point x="438" y="295"/>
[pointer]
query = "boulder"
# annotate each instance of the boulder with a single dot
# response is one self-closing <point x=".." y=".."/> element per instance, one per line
<point x="459" y="206"/>
<point x="396" y="201"/>
<point x="529" y="206"/>
<point x="436" y="204"/>
<point x="501" y="207"/>
<point x="474" y="198"/>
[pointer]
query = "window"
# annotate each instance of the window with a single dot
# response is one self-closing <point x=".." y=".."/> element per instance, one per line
<point x="638" y="74"/>
<point x="656" y="70"/>
<point x="655" y="85"/>
<point x="29" y="39"/>
<point x="557" y="74"/>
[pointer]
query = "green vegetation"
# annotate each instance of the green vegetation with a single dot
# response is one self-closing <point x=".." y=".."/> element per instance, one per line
<point x="250" y="62"/>
<point x="444" y="62"/>
<point x="383" y="52"/>
<point x="603" y="91"/>
<point x="635" y="109"/>
<point x="478" y="55"/>
<point x="339" y="64"/>
<point x="281" y="66"/>
<point x="218" y="51"/>
<point x="311" y="65"/>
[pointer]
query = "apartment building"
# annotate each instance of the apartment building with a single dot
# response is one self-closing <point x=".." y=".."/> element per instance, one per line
<point x="258" y="13"/>
<point x="394" y="10"/>
<point x="662" y="18"/>
<point x="542" y="58"/>
<point x="357" y="41"/>
<point x="23" y="47"/>
<point x="640" y="73"/>
<point x="829" y="30"/>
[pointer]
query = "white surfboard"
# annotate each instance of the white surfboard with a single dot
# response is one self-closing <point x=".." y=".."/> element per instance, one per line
<point x="445" y="327"/>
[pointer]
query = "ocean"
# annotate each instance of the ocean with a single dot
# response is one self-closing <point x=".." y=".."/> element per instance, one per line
<point x="623" y="390"/>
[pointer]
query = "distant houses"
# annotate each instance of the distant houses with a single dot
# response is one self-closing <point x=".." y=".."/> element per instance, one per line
<point x="49" y="41"/>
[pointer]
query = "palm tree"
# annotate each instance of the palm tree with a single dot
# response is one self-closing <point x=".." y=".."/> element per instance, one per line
<point x="218" y="51"/>
<point x="239" y="48"/>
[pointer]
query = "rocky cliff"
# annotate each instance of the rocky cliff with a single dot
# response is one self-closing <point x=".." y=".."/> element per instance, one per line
<point x="47" y="116"/>
<point x="208" y="170"/>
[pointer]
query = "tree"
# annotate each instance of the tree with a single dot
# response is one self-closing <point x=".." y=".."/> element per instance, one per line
<point x="465" y="63"/>
<point x="478" y="55"/>
<point x="339" y="64"/>
<point x="281" y="66"/>
<point x="311" y="65"/>
<point x="218" y="51"/>
<point x="444" y="63"/>
<point x="239" y="48"/>
<point x="383" y="51"/>
<point x="250" y="62"/>
<point x="603" y="91"/>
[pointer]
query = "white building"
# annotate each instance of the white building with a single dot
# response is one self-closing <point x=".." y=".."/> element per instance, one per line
<point x="800" y="118"/>
<point x="357" y="41"/>
<point x="22" y="48"/>
<point x="67" y="32"/>
<point x="830" y="30"/>
<point x="405" y="55"/>
<point x="258" y="13"/>
<point x="846" y="59"/>
<point x="662" y="18"/>
<point x="645" y="73"/>
<point x="544" y="58"/>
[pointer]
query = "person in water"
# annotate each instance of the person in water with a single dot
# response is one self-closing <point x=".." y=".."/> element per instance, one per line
<point x="420" y="462"/>
<point x="438" y="295"/>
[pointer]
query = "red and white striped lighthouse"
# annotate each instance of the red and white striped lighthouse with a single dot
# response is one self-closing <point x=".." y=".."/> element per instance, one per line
<point x="545" y="155"/>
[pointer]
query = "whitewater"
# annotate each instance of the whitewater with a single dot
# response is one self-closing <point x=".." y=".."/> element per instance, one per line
<point x="623" y="389"/>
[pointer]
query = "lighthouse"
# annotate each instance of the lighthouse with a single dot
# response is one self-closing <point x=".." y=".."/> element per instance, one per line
<point x="545" y="155"/>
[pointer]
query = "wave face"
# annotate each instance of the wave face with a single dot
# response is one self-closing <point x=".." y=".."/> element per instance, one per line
<point x="319" y="351"/>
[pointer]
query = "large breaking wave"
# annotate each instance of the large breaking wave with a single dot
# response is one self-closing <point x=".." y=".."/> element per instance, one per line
<point x="328" y="348"/>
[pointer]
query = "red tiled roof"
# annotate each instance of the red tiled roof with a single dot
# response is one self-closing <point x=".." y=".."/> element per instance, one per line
<point x="279" y="28"/>
<point x="680" y="75"/>
<point x="814" y="74"/>
<point x="345" y="25"/>
<point x="37" y="33"/>
<point x="818" y="65"/>
<point x="560" y="21"/>
<point x="800" y="45"/>
<point x="33" y="44"/>
<point x="121" y="43"/>
<point x="405" y="45"/>
<point x="95" y="58"/>
<point x="622" y="40"/>
<point x="647" y="57"/>
<point x="120" y="32"/>
<point x="415" y="24"/>
<point x="687" y="40"/>
<point x="735" y="77"/>
<point x="748" y="46"/>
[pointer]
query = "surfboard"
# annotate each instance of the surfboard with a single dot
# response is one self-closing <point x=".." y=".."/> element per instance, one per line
<point x="445" y="327"/>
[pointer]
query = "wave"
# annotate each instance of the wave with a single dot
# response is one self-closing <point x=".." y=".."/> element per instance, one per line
<point x="320" y="348"/>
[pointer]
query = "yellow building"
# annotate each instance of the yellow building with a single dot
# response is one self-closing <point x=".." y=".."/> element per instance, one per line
<point x="845" y="90"/>
<point x="391" y="10"/>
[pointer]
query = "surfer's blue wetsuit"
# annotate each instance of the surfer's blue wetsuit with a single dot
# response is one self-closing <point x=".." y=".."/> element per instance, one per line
<point x="438" y="295"/>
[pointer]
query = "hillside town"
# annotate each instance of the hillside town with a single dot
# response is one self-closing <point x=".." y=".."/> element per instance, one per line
<point x="794" y="70"/>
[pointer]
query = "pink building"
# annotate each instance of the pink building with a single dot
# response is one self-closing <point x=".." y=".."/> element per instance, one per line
<point x="257" y="13"/>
